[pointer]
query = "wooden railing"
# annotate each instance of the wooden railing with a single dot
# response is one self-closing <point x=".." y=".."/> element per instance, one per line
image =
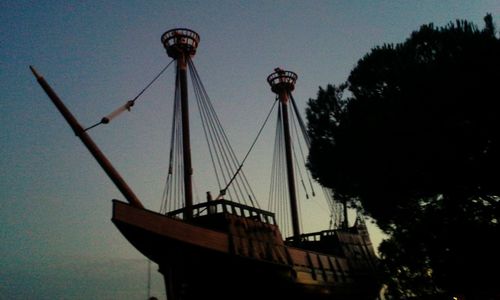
<point x="226" y="206"/>
<point x="312" y="237"/>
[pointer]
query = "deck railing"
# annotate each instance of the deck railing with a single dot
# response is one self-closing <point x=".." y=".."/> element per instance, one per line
<point x="226" y="206"/>
<point x="312" y="237"/>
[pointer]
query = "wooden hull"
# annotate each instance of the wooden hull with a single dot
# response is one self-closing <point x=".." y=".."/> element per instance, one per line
<point x="202" y="263"/>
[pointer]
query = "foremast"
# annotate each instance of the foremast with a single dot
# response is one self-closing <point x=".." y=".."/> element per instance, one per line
<point x="181" y="44"/>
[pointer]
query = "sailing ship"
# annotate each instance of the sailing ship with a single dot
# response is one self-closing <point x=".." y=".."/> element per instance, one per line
<point x="221" y="248"/>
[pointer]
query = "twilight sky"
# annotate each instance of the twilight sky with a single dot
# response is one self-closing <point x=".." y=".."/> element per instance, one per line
<point x="57" y="240"/>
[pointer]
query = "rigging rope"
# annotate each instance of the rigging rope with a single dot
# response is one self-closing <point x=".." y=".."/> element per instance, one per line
<point x="278" y="194"/>
<point x="249" y="150"/>
<point x="128" y="105"/>
<point x="222" y="155"/>
<point x="301" y="122"/>
<point x="223" y="158"/>
<point x="334" y="206"/>
<point x="213" y="132"/>
<point x="299" y="170"/>
<point x="173" y="192"/>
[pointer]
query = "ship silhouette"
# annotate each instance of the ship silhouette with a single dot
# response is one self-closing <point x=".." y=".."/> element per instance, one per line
<point x="227" y="247"/>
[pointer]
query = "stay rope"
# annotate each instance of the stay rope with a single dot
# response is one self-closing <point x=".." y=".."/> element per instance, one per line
<point x="333" y="205"/>
<point x="223" y="191"/>
<point x="226" y="164"/>
<point x="128" y="105"/>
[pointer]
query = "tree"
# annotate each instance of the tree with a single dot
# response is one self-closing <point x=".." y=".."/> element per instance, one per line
<point x="417" y="143"/>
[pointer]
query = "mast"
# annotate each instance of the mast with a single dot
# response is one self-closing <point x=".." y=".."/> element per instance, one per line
<point x="283" y="83"/>
<point x="181" y="44"/>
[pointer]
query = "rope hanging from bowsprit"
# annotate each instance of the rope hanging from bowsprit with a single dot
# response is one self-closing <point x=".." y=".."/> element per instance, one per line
<point x="128" y="105"/>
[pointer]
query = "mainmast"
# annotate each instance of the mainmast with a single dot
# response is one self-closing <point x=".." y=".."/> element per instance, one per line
<point x="181" y="45"/>
<point x="283" y="83"/>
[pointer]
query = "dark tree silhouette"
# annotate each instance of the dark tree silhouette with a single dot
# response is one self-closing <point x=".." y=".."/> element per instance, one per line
<point x="417" y="143"/>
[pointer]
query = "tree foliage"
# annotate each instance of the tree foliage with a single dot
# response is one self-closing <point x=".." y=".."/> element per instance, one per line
<point x="417" y="143"/>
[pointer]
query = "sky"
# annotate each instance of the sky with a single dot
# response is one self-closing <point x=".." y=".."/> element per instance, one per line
<point x="57" y="239"/>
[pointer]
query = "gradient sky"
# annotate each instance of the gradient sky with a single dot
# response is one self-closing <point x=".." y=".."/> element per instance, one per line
<point x="57" y="240"/>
